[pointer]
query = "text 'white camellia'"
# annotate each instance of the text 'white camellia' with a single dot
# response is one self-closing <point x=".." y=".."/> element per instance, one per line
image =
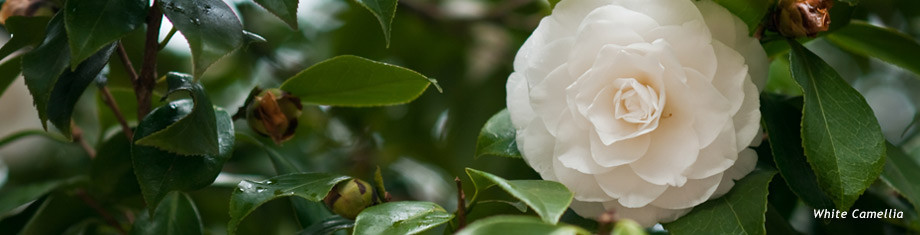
<point x="646" y="107"/>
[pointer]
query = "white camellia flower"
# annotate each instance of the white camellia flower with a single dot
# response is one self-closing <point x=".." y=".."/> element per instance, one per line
<point x="645" y="107"/>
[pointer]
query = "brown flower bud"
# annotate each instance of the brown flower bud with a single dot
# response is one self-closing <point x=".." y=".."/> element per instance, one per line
<point x="274" y="113"/>
<point x="350" y="197"/>
<point x="26" y="8"/>
<point x="796" y="18"/>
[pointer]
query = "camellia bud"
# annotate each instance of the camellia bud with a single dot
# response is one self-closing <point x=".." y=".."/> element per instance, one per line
<point x="274" y="113"/>
<point x="26" y="8"/>
<point x="350" y="197"/>
<point x="796" y="18"/>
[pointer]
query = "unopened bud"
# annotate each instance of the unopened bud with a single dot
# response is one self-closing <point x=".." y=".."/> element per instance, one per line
<point x="350" y="197"/>
<point x="26" y="8"/>
<point x="274" y="113"/>
<point x="796" y="18"/>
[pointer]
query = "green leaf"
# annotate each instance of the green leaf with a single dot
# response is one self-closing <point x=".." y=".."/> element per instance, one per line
<point x="15" y="196"/>
<point x="329" y="226"/>
<point x="517" y="225"/>
<point x="9" y="71"/>
<point x="384" y="10"/>
<point x="57" y="213"/>
<point x="250" y="195"/>
<point x="842" y="138"/>
<point x="160" y="172"/>
<point x="71" y="85"/>
<point x="404" y="217"/>
<point x="93" y="24"/>
<point x="750" y="11"/>
<point x="42" y="66"/>
<point x="25" y="31"/>
<point x="111" y="173"/>
<point x="901" y="173"/>
<point x="286" y="10"/>
<point x="782" y="121"/>
<point x="883" y="43"/>
<point x="176" y="214"/>
<point x="210" y="26"/>
<point x="198" y="129"/>
<point x="548" y="199"/>
<point x="356" y="82"/>
<point x="497" y="137"/>
<point x="740" y="211"/>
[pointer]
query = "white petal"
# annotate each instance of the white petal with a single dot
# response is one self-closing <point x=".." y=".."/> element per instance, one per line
<point x="691" y="45"/>
<point x="747" y="160"/>
<point x="675" y="147"/>
<point x="608" y="25"/>
<point x="518" y="101"/>
<point x="747" y="120"/>
<point x="730" y="75"/>
<point x="620" y="152"/>
<point x="573" y="149"/>
<point x="665" y="12"/>
<point x="572" y="13"/>
<point x="645" y="216"/>
<point x="716" y="157"/>
<point x="631" y="191"/>
<point x="545" y="60"/>
<point x="590" y="210"/>
<point x="548" y="97"/>
<point x="536" y="145"/>
<point x="733" y="32"/>
<point x="584" y="185"/>
<point x="691" y="194"/>
<point x="702" y="100"/>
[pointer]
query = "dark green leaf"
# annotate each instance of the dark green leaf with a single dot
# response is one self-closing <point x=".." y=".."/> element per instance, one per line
<point x="282" y="165"/>
<point x="842" y="138"/>
<point x="70" y="86"/>
<point x="776" y="224"/>
<point x="111" y="173"/>
<point x="404" y="217"/>
<point x="780" y="79"/>
<point x="548" y="199"/>
<point x="92" y="24"/>
<point x="356" y="82"/>
<point x="210" y="26"/>
<point x="286" y="10"/>
<point x="740" y="211"/>
<point x="901" y="173"/>
<point x="497" y="137"/>
<point x="329" y="226"/>
<point x="160" y="172"/>
<point x="250" y="195"/>
<point x="197" y="129"/>
<point x="25" y="31"/>
<point x="42" y="66"/>
<point x="782" y="121"/>
<point x="15" y="196"/>
<point x="57" y="213"/>
<point x="750" y="11"/>
<point x="884" y="43"/>
<point x="384" y="10"/>
<point x="26" y="133"/>
<point x="176" y="214"/>
<point x="517" y="225"/>
<point x="9" y="71"/>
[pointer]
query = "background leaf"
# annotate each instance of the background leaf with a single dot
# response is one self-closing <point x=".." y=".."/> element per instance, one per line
<point x="9" y="71"/>
<point x="750" y="11"/>
<point x="356" y="82"/>
<point x="42" y="66"/>
<point x="111" y="173"/>
<point x="406" y="217"/>
<point x="176" y="214"/>
<point x="384" y="11"/>
<point x="25" y="31"/>
<point x="497" y="137"/>
<point x="886" y="44"/>
<point x="210" y="26"/>
<point x="517" y="225"/>
<point x="842" y="138"/>
<point x="901" y="173"/>
<point x="71" y="85"/>
<point x="57" y="213"/>
<point x="740" y="211"/>
<point x="92" y="24"/>
<point x="250" y="195"/>
<point x="329" y="226"/>
<point x="160" y="172"/>
<point x="548" y="199"/>
<point x="286" y="10"/>
<point x="198" y="129"/>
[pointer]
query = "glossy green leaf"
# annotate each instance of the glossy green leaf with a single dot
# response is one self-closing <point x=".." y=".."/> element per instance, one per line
<point x="210" y="26"/>
<point x="9" y="71"/>
<point x="111" y="172"/>
<point x="782" y="121"/>
<point x="517" y="225"/>
<point x="198" y="129"/>
<point x="286" y="10"/>
<point x="176" y="214"/>
<point x="160" y="172"/>
<point x="93" y="24"/>
<point x="384" y="11"/>
<point x="883" y="43"/>
<point x="56" y="214"/>
<point x="42" y="66"/>
<point x="548" y="199"/>
<point x="356" y="82"/>
<point x="25" y="31"/>
<point x="497" y="137"/>
<point x="329" y="226"/>
<point x="15" y="196"/>
<point x="71" y="85"/>
<point x="842" y="139"/>
<point x="406" y="217"/>
<point x="751" y="12"/>
<point x="740" y="211"/>
<point x="901" y="173"/>
<point x="250" y="194"/>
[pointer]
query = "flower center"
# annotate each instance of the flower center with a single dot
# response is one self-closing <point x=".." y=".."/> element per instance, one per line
<point x="635" y="102"/>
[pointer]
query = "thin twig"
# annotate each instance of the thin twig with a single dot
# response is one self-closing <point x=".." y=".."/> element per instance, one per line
<point x="77" y="134"/>
<point x="110" y="101"/>
<point x="105" y="215"/>
<point x="461" y="205"/>
<point x="143" y="89"/>
<point x="169" y="36"/>
<point x="123" y="55"/>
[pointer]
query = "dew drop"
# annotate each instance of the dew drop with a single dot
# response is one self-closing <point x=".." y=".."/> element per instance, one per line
<point x="245" y="186"/>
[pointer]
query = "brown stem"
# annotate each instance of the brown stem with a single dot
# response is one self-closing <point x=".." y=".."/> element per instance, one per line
<point x="123" y="55"/>
<point x="461" y="205"/>
<point x="143" y="89"/>
<point x="105" y="215"/>
<point x="110" y="101"/>
<point x="77" y="134"/>
<point x="606" y="221"/>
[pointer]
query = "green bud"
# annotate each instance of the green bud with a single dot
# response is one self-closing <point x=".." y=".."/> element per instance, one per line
<point x="350" y="197"/>
<point x="628" y="227"/>
<point x="274" y="113"/>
